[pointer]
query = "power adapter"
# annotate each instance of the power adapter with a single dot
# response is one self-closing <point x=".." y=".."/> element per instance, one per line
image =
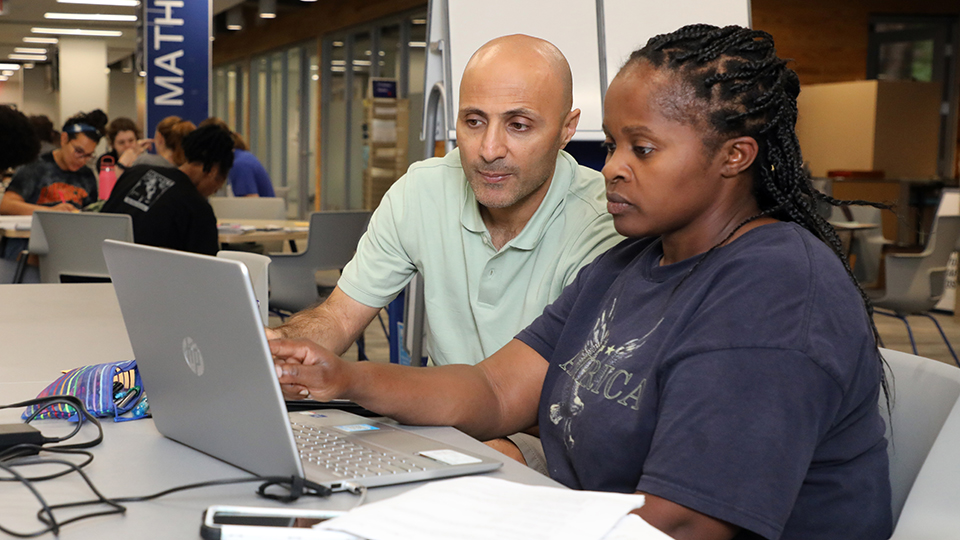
<point x="14" y="434"/>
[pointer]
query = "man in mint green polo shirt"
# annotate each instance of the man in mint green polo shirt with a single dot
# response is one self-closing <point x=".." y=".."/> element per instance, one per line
<point x="497" y="227"/>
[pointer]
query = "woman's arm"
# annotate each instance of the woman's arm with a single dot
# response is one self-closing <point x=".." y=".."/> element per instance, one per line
<point x="497" y="397"/>
<point x="683" y="523"/>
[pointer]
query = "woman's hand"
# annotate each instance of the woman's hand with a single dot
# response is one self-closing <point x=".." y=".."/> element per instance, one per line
<point x="131" y="154"/>
<point x="307" y="370"/>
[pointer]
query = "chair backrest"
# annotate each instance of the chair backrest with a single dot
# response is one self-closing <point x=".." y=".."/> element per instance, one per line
<point x="257" y="268"/>
<point x="331" y="243"/>
<point x="915" y="281"/>
<point x="925" y="393"/>
<point x="74" y="243"/>
<point x="249" y="207"/>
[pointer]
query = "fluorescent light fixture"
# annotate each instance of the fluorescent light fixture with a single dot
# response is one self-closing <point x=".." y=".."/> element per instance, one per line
<point x="268" y="9"/>
<point x="76" y="32"/>
<point x="3" y="79"/>
<point x="235" y="18"/>
<point x="118" y="3"/>
<point x="30" y="50"/>
<point x="28" y="57"/>
<point x="49" y="40"/>
<point x="143" y="73"/>
<point x="7" y="72"/>
<point x="417" y="44"/>
<point x="28" y="65"/>
<point x="337" y="44"/>
<point x="90" y="17"/>
<point x="13" y="67"/>
<point x="412" y="21"/>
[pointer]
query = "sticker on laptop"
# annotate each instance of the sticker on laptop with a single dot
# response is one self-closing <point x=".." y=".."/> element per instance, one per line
<point x="450" y="457"/>
<point x="354" y="428"/>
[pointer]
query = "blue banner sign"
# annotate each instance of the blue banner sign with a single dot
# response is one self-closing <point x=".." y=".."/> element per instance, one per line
<point x="176" y="41"/>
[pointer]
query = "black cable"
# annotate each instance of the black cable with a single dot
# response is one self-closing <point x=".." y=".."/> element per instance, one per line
<point x="27" y="454"/>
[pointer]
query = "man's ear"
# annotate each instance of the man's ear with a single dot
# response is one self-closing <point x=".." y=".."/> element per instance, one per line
<point x="569" y="126"/>
<point x="738" y="155"/>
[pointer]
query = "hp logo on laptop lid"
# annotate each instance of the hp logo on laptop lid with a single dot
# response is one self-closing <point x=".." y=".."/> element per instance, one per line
<point x="191" y="353"/>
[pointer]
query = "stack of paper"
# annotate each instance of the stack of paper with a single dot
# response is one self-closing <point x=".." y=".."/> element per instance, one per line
<point x="19" y="223"/>
<point x="480" y="508"/>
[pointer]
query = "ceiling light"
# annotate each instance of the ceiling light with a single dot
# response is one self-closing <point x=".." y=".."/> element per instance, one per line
<point x="28" y="57"/>
<point x="417" y="44"/>
<point x="6" y="72"/>
<point x="90" y="17"/>
<point x="50" y="40"/>
<point x="120" y="3"/>
<point x="143" y="73"/>
<point x="235" y="18"/>
<point x="28" y="65"/>
<point x="76" y="32"/>
<point x="30" y="50"/>
<point x="14" y="67"/>
<point x="3" y="79"/>
<point x="268" y="9"/>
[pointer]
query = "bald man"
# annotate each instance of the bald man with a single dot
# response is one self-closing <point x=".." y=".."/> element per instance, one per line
<point x="497" y="227"/>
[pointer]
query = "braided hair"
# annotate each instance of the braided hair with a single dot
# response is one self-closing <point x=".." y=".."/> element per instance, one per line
<point x="732" y="82"/>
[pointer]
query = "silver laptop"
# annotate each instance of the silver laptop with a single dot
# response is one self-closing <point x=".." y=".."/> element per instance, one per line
<point x="197" y="336"/>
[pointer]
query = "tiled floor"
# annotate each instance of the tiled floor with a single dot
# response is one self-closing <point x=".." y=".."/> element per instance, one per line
<point x="928" y="340"/>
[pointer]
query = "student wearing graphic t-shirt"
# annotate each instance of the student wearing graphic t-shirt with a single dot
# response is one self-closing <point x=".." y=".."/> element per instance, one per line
<point x="721" y="360"/>
<point x="169" y="205"/>
<point x="59" y="180"/>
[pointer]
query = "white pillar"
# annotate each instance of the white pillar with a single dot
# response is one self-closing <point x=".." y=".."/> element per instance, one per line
<point x="83" y="75"/>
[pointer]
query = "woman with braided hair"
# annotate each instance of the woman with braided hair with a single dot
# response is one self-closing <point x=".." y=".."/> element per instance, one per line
<point x="721" y="360"/>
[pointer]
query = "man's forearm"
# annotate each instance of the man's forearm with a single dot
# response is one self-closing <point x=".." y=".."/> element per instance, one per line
<point x="319" y="325"/>
<point x="335" y="324"/>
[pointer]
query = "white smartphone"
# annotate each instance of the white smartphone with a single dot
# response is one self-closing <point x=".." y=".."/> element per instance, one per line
<point x="248" y="522"/>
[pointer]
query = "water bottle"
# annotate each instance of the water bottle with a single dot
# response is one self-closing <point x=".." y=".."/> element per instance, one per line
<point x="108" y="177"/>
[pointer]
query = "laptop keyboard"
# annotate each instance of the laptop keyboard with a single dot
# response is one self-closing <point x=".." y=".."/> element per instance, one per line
<point x="346" y="459"/>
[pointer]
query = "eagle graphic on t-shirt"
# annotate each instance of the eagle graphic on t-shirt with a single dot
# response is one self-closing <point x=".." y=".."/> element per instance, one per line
<point x="61" y="192"/>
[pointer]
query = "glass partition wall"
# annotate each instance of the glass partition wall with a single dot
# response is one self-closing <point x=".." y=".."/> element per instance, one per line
<point x="309" y="98"/>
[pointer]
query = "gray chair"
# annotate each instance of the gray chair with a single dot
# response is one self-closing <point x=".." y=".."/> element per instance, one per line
<point x="915" y="281"/>
<point x="257" y="267"/>
<point x="331" y="243"/>
<point x="923" y="432"/>
<point x="69" y="245"/>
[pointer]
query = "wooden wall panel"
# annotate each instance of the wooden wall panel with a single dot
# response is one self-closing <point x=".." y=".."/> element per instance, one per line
<point x="827" y="39"/>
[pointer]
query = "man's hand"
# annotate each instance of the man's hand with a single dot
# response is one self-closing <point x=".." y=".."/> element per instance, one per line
<point x="305" y="369"/>
<point x="273" y="333"/>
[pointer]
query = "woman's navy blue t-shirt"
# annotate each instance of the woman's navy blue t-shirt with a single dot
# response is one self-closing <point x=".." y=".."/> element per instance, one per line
<point x="748" y="392"/>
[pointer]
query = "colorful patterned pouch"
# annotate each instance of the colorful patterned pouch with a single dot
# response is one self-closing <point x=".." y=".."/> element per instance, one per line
<point x="112" y="389"/>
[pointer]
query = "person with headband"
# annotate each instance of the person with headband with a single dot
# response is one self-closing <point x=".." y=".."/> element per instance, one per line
<point x="59" y="180"/>
<point x="721" y="360"/>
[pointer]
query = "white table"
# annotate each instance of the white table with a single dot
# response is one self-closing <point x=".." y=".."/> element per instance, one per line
<point x="48" y="328"/>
